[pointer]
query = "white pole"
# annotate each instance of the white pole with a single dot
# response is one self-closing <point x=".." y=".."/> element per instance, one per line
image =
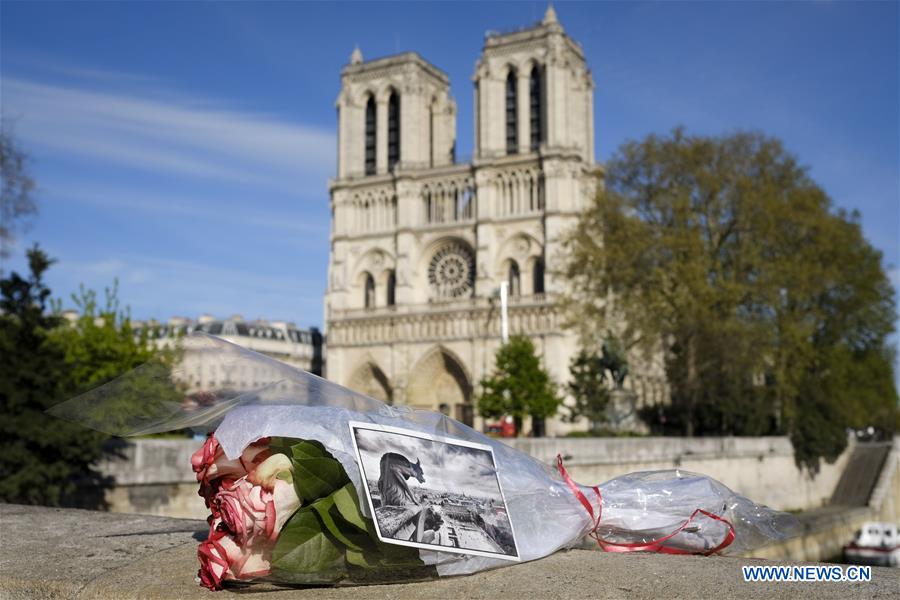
<point x="504" y="316"/>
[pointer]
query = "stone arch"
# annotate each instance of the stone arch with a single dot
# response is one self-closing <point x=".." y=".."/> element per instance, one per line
<point x="363" y="94"/>
<point x="375" y="260"/>
<point x="522" y="247"/>
<point x="439" y="380"/>
<point x="370" y="380"/>
<point x="386" y="89"/>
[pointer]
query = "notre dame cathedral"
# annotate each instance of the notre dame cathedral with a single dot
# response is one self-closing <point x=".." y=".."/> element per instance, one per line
<point x="420" y="242"/>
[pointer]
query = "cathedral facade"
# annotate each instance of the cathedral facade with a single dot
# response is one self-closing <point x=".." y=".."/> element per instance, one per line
<point x="420" y="242"/>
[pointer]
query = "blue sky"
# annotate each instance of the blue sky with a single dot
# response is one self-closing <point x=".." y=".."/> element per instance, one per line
<point x="184" y="148"/>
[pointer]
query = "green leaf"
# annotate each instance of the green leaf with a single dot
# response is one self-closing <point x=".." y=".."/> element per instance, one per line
<point x="347" y="503"/>
<point x="330" y="535"/>
<point x="316" y="478"/>
<point x="360" y="559"/>
<point x="309" y="449"/>
<point x="303" y="546"/>
<point x="385" y="558"/>
<point x="323" y="508"/>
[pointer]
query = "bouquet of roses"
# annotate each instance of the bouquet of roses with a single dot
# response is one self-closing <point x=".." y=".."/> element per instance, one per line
<point x="309" y="482"/>
<point x="286" y="507"/>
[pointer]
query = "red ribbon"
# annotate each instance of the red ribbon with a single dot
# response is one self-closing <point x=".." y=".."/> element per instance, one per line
<point x="656" y="545"/>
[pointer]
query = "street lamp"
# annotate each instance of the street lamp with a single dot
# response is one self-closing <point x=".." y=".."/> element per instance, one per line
<point x="504" y="315"/>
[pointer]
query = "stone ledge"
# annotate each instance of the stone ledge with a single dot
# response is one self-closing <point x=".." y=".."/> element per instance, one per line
<point x="63" y="553"/>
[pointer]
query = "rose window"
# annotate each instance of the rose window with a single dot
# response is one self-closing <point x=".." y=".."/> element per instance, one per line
<point x="452" y="272"/>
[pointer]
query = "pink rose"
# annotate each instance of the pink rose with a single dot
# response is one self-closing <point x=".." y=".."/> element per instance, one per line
<point x="213" y="467"/>
<point x="254" y="508"/>
<point x="221" y="559"/>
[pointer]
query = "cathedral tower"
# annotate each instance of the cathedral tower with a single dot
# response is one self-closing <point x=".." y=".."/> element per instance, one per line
<point x="420" y="243"/>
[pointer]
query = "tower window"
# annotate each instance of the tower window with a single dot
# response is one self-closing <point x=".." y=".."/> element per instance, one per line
<point x="538" y="279"/>
<point x="514" y="279"/>
<point x="512" y="134"/>
<point x="393" y="130"/>
<point x="535" y="93"/>
<point x="370" y="136"/>
<point x="370" y="291"/>
<point x="391" y="285"/>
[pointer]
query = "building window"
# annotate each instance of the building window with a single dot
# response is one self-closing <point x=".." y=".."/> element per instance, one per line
<point x="538" y="277"/>
<point x="534" y="92"/>
<point x="391" y="285"/>
<point x="393" y="130"/>
<point x="370" y="291"/>
<point x="370" y="136"/>
<point x="451" y="272"/>
<point x="514" y="279"/>
<point x="512" y="135"/>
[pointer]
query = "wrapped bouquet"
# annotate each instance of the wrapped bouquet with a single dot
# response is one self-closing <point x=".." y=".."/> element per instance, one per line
<point x="308" y="482"/>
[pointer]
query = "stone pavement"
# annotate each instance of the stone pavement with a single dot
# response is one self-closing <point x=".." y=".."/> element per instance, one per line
<point x="64" y="553"/>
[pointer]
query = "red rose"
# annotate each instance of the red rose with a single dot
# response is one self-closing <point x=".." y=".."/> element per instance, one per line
<point x="221" y="559"/>
<point x="254" y="508"/>
<point x="213" y="467"/>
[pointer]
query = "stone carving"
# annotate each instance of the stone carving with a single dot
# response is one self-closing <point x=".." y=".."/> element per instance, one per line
<point x="522" y="245"/>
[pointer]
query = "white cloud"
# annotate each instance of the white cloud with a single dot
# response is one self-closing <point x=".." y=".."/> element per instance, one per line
<point x="240" y="212"/>
<point x="174" y="136"/>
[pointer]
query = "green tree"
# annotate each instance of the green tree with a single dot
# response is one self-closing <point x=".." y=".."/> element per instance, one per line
<point x="45" y="359"/>
<point x="771" y="308"/>
<point x="519" y="386"/>
<point x="587" y="386"/>
<point x="100" y="344"/>
<point x="42" y="461"/>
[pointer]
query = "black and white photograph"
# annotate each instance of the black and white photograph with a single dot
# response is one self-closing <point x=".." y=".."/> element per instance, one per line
<point x="427" y="491"/>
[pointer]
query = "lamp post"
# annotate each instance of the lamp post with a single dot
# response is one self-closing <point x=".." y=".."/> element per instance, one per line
<point x="504" y="315"/>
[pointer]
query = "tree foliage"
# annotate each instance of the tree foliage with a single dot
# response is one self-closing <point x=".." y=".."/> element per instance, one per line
<point x="519" y="385"/>
<point x="45" y="359"/>
<point x="99" y="344"/>
<point x="588" y="389"/>
<point x="16" y="190"/>
<point x="771" y="308"/>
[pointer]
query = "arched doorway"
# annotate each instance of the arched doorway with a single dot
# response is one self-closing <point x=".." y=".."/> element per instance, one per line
<point x="439" y="382"/>
<point x="371" y="381"/>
